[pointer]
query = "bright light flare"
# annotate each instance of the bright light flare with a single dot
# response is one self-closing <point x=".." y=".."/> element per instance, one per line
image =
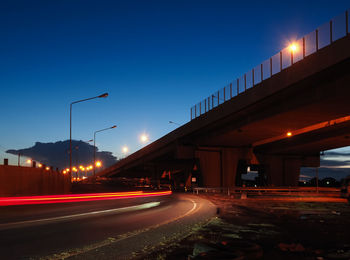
<point x="47" y="168"/>
<point x="293" y="47"/>
<point x="289" y="134"/>
<point x="125" y="149"/>
<point x="8" y="201"/>
<point x="98" y="164"/>
<point x="144" y="138"/>
<point x="40" y="165"/>
<point x="29" y="161"/>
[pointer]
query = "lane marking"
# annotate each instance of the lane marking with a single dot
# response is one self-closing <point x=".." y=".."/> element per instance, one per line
<point x="111" y="240"/>
<point x="40" y="221"/>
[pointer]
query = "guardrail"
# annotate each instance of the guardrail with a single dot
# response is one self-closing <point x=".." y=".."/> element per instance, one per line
<point x="278" y="191"/>
<point x="323" y="36"/>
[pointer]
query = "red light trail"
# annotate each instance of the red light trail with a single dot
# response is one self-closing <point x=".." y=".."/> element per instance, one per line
<point x="29" y="200"/>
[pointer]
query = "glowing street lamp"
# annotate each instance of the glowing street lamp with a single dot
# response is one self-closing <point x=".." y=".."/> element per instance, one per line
<point x="95" y="143"/>
<point x="29" y="161"/>
<point x="289" y="134"/>
<point x="98" y="164"/>
<point x="293" y="47"/>
<point x="125" y="149"/>
<point x="144" y="138"/>
<point x="70" y="124"/>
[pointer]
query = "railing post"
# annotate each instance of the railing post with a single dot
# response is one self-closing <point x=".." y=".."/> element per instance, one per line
<point x="280" y="61"/>
<point x="270" y="67"/>
<point x="205" y="104"/>
<point x="261" y="67"/>
<point x="224" y="94"/>
<point x="347" y="22"/>
<point x="200" y="108"/>
<point x="237" y="86"/>
<point x="253" y="77"/>
<point x="218" y="97"/>
<point x="245" y="82"/>
<point x="230" y="90"/>
<point x="291" y="57"/>
<point x="195" y="111"/>
<point x="316" y="39"/>
<point x="331" y="31"/>
<point x="304" y="47"/>
<point x="191" y="113"/>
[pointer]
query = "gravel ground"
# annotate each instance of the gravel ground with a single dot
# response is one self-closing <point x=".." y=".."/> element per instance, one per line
<point x="267" y="228"/>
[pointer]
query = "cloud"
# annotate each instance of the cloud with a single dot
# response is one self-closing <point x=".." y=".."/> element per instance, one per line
<point x="335" y="163"/>
<point x="336" y="154"/>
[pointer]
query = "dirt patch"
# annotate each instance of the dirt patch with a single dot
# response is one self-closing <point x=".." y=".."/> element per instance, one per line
<point x="256" y="228"/>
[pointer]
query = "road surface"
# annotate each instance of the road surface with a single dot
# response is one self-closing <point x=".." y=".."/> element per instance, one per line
<point x="104" y="229"/>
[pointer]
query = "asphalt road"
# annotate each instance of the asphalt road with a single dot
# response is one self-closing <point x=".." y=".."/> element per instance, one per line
<point x="111" y="229"/>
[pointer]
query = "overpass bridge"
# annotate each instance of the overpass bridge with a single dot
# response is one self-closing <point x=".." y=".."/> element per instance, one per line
<point x="276" y="118"/>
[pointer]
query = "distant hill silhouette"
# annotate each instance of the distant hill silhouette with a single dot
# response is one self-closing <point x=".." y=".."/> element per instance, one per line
<point x="57" y="154"/>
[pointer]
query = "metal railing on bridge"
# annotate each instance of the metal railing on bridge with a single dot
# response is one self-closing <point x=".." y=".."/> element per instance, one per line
<point x="323" y="36"/>
<point x="271" y="191"/>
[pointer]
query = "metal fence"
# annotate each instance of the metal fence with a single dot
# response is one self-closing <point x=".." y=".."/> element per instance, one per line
<point x="271" y="191"/>
<point x="323" y="36"/>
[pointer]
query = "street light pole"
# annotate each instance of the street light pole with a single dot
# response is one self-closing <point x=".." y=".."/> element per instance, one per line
<point x="70" y="126"/>
<point x="95" y="145"/>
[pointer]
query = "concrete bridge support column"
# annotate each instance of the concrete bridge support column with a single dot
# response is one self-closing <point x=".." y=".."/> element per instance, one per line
<point x="210" y="166"/>
<point x="219" y="166"/>
<point x="229" y="160"/>
<point x="285" y="170"/>
<point x="282" y="171"/>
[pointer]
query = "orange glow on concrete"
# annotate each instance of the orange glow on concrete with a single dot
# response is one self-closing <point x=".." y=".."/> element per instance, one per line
<point x="28" y="200"/>
<point x="310" y="128"/>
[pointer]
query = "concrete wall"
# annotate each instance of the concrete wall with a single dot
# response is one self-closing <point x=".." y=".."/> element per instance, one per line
<point x="22" y="181"/>
<point x="210" y="165"/>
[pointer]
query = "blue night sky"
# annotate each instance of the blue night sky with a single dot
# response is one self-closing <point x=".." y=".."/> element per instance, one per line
<point x="155" y="59"/>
